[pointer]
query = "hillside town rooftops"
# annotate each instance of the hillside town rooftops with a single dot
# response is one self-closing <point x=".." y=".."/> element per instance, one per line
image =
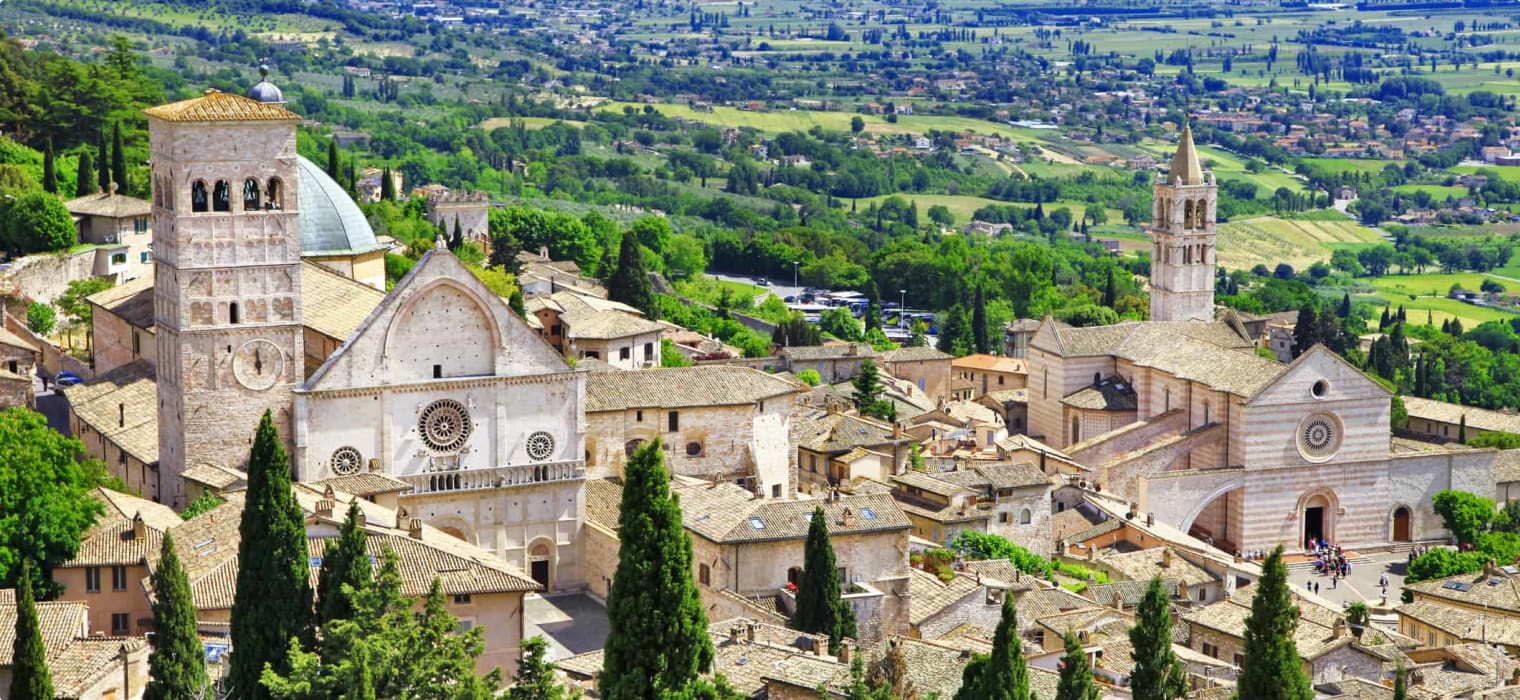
<point x="683" y="387"/>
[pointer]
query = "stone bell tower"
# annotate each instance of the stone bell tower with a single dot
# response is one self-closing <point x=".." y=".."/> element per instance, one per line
<point x="1183" y="239"/>
<point x="227" y="287"/>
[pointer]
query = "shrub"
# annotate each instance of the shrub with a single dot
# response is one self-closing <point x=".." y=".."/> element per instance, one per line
<point x="41" y="318"/>
<point x="38" y="223"/>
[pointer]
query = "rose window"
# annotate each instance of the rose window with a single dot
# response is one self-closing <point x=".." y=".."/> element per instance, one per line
<point x="540" y="446"/>
<point x="1319" y="437"/>
<point x="346" y="461"/>
<point x="445" y="425"/>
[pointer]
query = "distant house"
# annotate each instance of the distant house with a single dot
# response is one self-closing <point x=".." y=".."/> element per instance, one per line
<point x="987" y="228"/>
<point x="923" y="143"/>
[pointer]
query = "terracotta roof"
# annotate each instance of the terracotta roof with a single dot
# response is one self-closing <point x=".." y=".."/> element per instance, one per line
<point x="1507" y="466"/>
<point x="132" y="301"/>
<point x="991" y="363"/>
<point x="1111" y="394"/>
<point x="836" y="351"/>
<point x="1023" y="325"/>
<point x="1130" y="592"/>
<point x="919" y="353"/>
<point x="366" y="484"/>
<point x="332" y="304"/>
<point x="604" y="501"/>
<point x="61" y="623"/>
<point x="121" y="405"/>
<point x="15" y="341"/>
<point x="1213" y="353"/>
<point x="1013" y="475"/>
<point x="828" y="432"/>
<point x="1478" y="418"/>
<point x="216" y="106"/>
<point x="82" y="664"/>
<point x="607" y="325"/>
<point x="932" y="483"/>
<point x="109" y="204"/>
<point x="683" y="387"/>
<point x="215" y="476"/>
<point x="1458" y="622"/>
<point x="1146" y="564"/>
<point x="113" y="540"/>
<point x="1475" y="590"/>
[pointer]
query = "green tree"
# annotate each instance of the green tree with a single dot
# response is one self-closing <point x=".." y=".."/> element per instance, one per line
<point x="867" y="385"/>
<point x="84" y="179"/>
<point x="535" y="674"/>
<point x="1157" y="674"/>
<point x="75" y="302"/>
<point x="40" y="318"/>
<point x="841" y="324"/>
<point x="30" y="678"/>
<point x="1004" y="673"/>
<point x="670" y="356"/>
<point x="872" y="316"/>
<point x="118" y="159"/>
<point x="1466" y="515"/>
<point x="956" y="336"/>
<point x="650" y="654"/>
<point x="1401" y="682"/>
<point x="980" y="337"/>
<point x="810" y="377"/>
<point x="1305" y="331"/>
<point x="332" y="159"/>
<point x="49" y="170"/>
<point x="345" y="570"/>
<point x="857" y="124"/>
<point x="38" y="223"/>
<point x="820" y="607"/>
<point x="1076" y="681"/>
<point x="889" y="676"/>
<point x="273" y="605"/>
<point x="629" y="283"/>
<point x="178" y="663"/>
<point x="1272" y="669"/>
<point x="103" y="173"/>
<point x="45" y="501"/>
<point x="201" y="504"/>
<point x="387" y="186"/>
<point x="1462" y="429"/>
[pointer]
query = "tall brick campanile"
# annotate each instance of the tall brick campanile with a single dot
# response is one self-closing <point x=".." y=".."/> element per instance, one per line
<point x="1183" y="239"/>
<point x="227" y="288"/>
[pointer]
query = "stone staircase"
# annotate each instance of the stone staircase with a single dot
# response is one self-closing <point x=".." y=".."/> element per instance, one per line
<point x="1356" y="559"/>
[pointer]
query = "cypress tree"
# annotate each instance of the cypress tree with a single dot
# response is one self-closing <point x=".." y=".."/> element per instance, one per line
<point x="873" y="307"/>
<point x="1005" y="673"/>
<point x="979" y="337"/>
<point x="84" y="180"/>
<point x="387" y="186"/>
<point x="1076" y="674"/>
<point x="1110" y="291"/>
<point x="1345" y="308"/>
<point x="1462" y="429"/>
<point x="820" y="609"/>
<point x="332" y="159"/>
<point x="1401" y="682"/>
<point x="535" y="674"/>
<point x="178" y="664"/>
<point x="1157" y="675"/>
<point x="49" y="170"/>
<point x="1271" y="669"/>
<point x="274" y="598"/>
<point x="867" y="385"/>
<point x="345" y="562"/>
<point x="629" y="282"/>
<point x="118" y="158"/>
<point x="457" y="240"/>
<point x="1305" y="331"/>
<point x="658" y="641"/>
<point x="103" y="174"/>
<point x="30" y="678"/>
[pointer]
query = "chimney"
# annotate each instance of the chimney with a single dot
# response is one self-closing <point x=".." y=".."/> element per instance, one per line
<point x="414" y="528"/>
<point x="121" y="415"/>
<point x="1182" y="590"/>
<point x="749" y="632"/>
<point x="735" y="633"/>
<point x="1166" y="557"/>
<point x="1018" y="575"/>
<point x="848" y="517"/>
<point x="1338" y="630"/>
<point x="844" y="652"/>
<point x="853" y="350"/>
<point x="139" y="528"/>
<point x="361" y="520"/>
<point x="401" y="518"/>
<point x="325" y="507"/>
<point x="329" y="494"/>
<point x="1150" y="519"/>
<point x="1118" y="602"/>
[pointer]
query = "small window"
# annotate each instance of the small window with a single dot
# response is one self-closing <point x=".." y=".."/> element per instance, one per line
<point x="250" y="195"/>
<point x="274" y="194"/>
<point x="1320" y="388"/>
<point x="136" y="345"/>
<point x="118" y="258"/>
<point x="200" y="201"/>
<point x="648" y="352"/>
<point x="1025" y="517"/>
<point x="232" y="313"/>
<point x="704" y="574"/>
<point x="438" y="371"/>
<point x="118" y="578"/>
<point x="13" y="368"/>
<point x="92" y="579"/>
<point x="1240" y="659"/>
<point x="555" y="329"/>
<point x="675" y="421"/>
<point x="462" y="599"/>
<point x="693" y="449"/>
<point x="221" y="196"/>
<point x="625" y="353"/>
<point x="121" y="624"/>
<point x="756" y="522"/>
<point x="638" y="416"/>
<point x="144" y="257"/>
<point x="1003" y="518"/>
<point x="775" y="490"/>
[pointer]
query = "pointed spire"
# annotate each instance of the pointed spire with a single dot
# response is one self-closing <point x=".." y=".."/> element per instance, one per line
<point x="1185" y="167"/>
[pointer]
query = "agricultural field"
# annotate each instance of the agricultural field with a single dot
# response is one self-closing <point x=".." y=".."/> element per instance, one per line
<point x="1336" y="166"/>
<point x="1507" y="173"/>
<point x="963" y="206"/>
<point x="1437" y="193"/>
<point x="1427" y="292"/>
<point x="1269" y="240"/>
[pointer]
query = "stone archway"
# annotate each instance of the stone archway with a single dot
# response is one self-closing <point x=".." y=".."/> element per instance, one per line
<point x="1317" y="511"/>
<point x="541" y="562"/>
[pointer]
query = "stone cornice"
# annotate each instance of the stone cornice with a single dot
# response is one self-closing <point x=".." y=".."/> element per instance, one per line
<point x="439" y="385"/>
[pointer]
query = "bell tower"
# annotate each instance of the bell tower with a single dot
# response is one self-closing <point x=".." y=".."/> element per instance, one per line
<point x="1183" y="239"/>
<point x="227" y="282"/>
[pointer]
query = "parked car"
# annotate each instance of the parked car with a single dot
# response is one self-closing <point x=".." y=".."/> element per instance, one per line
<point x="763" y="281"/>
<point x="67" y="379"/>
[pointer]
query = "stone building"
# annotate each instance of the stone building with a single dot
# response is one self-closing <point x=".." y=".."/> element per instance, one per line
<point x="1182" y="417"/>
<point x="717" y="422"/>
<point x="110" y="571"/>
<point x="123" y="325"/>
<point x="18" y="365"/>
<point x="82" y="664"/>
<point x="989" y="373"/>
<point x="834" y="363"/>
<point x="925" y="367"/>
<point x="469" y="211"/>
<point x="1442" y="422"/>
<point x="586" y="326"/>
<point x="118" y="225"/>
<point x="1010" y="500"/>
<point x="1443" y="610"/>
<point x="115" y="416"/>
<point x="834" y="448"/>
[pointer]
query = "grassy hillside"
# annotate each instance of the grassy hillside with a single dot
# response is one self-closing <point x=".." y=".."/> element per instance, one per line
<point x="1269" y="240"/>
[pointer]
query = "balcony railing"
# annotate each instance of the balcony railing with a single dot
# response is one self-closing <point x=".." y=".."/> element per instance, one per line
<point x="494" y="478"/>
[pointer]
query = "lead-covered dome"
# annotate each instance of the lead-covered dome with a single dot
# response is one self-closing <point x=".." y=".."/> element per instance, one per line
<point x="331" y="223"/>
<point x="265" y="91"/>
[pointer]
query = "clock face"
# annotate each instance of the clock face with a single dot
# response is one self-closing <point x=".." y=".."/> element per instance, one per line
<point x="258" y="364"/>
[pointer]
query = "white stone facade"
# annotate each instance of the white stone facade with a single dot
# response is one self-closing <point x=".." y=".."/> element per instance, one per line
<point x="746" y="443"/>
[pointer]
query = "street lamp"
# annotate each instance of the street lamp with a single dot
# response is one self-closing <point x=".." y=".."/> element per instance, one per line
<point x="902" y="308"/>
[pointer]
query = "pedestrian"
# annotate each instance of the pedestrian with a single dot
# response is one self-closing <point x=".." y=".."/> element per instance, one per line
<point x="1333" y="580"/>
<point x="1316" y="588"/>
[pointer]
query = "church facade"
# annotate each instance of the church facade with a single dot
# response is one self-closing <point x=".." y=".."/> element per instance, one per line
<point x="1180" y="415"/>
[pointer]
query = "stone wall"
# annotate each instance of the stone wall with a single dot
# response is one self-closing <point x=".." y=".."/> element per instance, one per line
<point x="53" y="360"/>
<point x="44" y="277"/>
<point x="711" y="442"/>
<point x="599" y="548"/>
<point x="1103" y="448"/>
<point x="975" y="608"/>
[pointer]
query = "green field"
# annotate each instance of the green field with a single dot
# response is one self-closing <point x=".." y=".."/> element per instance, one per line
<point x="1438" y="193"/>
<point x="1269" y="240"/>
<point x="963" y="206"/>
<point x="1429" y="292"/>
<point x="1336" y="166"/>
<point x="1507" y="173"/>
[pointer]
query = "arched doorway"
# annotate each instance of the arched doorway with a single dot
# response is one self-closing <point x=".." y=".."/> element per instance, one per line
<point x="541" y="563"/>
<point x="1402" y="524"/>
<point x="1318" y="520"/>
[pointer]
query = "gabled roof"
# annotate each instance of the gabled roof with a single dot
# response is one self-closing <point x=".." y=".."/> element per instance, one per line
<point x="990" y="363"/>
<point x="217" y="106"/>
<point x="683" y="387"/>
<point x="829" y="432"/>
<point x="15" y="341"/>
<point x="108" y="204"/>
<point x="132" y="301"/>
<point x="1218" y="354"/>
<point x="919" y="353"/>
<point x="121" y="405"/>
<point x="112" y="540"/>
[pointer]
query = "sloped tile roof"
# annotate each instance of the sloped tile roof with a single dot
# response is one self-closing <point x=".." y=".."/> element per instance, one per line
<point x="683" y="387"/>
<point x="112" y="540"/>
<point x="607" y="325"/>
<point x="332" y="304"/>
<point x="604" y="501"/>
<point x="365" y="484"/>
<point x="726" y="513"/>
<point x="828" y="432"/>
<point x="132" y="301"/>
<point x="837" y="351"/>
<point x="83" y="663"/>
<point x="930" y="596"/>
<point x="61" y="622"/>
<point x="121" y="405"/>
<point x="109" y="204"/>
<point x="915" y="353"/>
<point x="217" y="106"/>
<point x="991" y="363"/>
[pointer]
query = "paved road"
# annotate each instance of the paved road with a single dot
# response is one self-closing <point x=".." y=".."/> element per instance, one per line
<point x="573" y="624"/>
<point x="776" y="287"/>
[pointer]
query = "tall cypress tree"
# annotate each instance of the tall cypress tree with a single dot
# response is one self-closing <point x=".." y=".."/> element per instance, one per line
<point x="387" y="186"/>
<point x="118" y="158"/>
<point x="629" y="282"/>
<point x="178" y="664"/>
<point x="456" y="241"/>
<point x="30" y="678"/>
<point x="873" y="307"/>
<point x="1401" y="682"/>
<point x="84" y="180"/>
<point x="1004" y="672"/>
<point x="979" y="334"/>
<point x="49" y="170"/>
<point x="1076" y="674"/>
<point x="273" y="603"/>
<point x="1305" y="331"/>
<point x="103" y="173"/>
<point x="1110" y="290"/>
<point x="346" y="562"/>
<point x="820" y="609"/>
<point x="1462" y="429"/>
<point x="1271" y="669"/>
<point x="658" y="641"/>
<point x="1157" y="675"/>
<point x="332" y="159"/>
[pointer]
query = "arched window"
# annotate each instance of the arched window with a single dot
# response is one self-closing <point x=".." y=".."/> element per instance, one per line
<point x="1076" y="428"/>
<point x="232" y="313"/>
<point x="275" y="194"/>
<point x="1025" y="517"/>
<point x="1187" y="214"/>
<point x="199" y="201"/>
<point x="1201" y="213"/>
<point x="221" y="196"/>
<point x="250" y="195"/>
<point x="1097" y="377"/>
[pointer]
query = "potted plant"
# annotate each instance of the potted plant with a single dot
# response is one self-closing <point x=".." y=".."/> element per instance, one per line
<point x="1357" y="615"/>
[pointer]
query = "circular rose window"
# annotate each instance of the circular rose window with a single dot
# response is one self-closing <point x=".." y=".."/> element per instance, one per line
<point x="445" y="425"/>
<point x="346" y="461"/>
<point x="540" y="446"/>
<point x="1319" y="437"/>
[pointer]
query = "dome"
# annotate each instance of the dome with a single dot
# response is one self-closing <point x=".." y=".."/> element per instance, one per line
<point x="331" y="223"/>
<point x="266" y="92"/>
